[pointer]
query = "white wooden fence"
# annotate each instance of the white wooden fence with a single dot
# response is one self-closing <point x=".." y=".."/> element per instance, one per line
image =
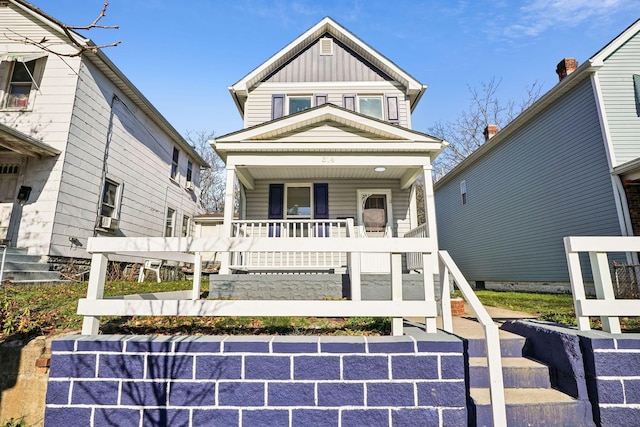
<point x="606" y="306"/>
<point x="414" y="260"/>
<point x="186" y="249"/>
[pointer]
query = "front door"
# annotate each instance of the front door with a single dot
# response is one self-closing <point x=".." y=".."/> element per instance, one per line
<point x="375" y="220"/>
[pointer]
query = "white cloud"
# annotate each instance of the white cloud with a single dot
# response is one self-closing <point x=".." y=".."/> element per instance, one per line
<point x="541" y="15"/>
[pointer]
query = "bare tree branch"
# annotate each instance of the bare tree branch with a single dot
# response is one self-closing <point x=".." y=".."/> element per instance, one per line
<point x="465" y="133"/>
<point x="67" y="29"/>
<point x="213" y="180"/>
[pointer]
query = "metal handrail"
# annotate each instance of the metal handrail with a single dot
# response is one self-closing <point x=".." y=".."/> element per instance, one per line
<point x="492" y="339"/>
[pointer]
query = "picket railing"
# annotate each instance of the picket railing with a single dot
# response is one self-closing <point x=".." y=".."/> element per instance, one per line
<point x="606" y="306"/>
<point x="284" y="260"/>
<point x="414" y="260"/>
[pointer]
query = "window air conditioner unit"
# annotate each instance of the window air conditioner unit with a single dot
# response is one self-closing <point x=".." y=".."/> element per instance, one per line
<point x="108" y="223"/>
<point x="189" y="186"/>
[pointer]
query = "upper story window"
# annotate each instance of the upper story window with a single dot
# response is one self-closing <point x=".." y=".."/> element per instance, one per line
<point x="174" y="162"/>
<point x="189" y="171"/>
<point x="299" y="103"/>
<point x="463" y="192"/>
<point x="22" y="80"/>
<point x="371" y="106"/>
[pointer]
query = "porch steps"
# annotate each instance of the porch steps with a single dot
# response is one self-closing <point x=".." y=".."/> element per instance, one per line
<point x="530" y="398"/>
<point x="23" y="269"/>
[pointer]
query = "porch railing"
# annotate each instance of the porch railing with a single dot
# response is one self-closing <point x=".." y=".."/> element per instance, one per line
<point x="414" y="260"/>
<point x="280" y="259"/>
<point x="606" y="306"/>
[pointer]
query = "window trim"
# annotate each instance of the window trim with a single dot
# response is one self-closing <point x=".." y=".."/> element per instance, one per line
<point x="308" y="185"/>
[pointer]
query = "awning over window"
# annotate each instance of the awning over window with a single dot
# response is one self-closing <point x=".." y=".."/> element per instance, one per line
<point x="22" y="57"/>
<point x="14" y="141"/>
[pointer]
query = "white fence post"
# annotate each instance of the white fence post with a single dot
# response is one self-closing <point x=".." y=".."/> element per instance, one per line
<point x="95" y="290"/>
<point x="197" y="276"/>
<point x="604" y="288"/>
<point x="445" y="297"/>
<point x="429" y="289"/>
<point x="396" y="290"/>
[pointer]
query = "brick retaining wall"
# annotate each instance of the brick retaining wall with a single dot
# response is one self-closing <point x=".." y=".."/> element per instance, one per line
<point x="416" y="379"/>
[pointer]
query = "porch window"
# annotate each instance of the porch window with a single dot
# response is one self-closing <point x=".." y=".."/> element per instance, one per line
<point x="174" y="162"/>
<point x="168" y="228"/>
<point x="463" y="192"/>
<point x="299" y="103"/>
<point x="371" y="106"/>
<point x="298" y="201"/>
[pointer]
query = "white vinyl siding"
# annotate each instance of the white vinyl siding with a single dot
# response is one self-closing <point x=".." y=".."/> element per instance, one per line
<point x="342" y="200"/>
<point x="618" y="92"/>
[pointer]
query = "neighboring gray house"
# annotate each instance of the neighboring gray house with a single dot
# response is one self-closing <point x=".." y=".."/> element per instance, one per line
<point x="568" y="165"/>
<point x="83" y="152"/>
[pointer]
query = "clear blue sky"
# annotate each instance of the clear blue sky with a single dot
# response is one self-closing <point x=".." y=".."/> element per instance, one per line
<point x="183" y="55"/>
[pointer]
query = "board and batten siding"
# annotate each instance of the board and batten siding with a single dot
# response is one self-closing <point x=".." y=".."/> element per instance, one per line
<point x="618" y="93"/>
<point x="258" y="106"/>
<point x="139" y="158"/>
<point x="344" y="65"/>
<point x="47" y="120"/>
<point x="549" y="180"/>
<point x="342" y="200"/>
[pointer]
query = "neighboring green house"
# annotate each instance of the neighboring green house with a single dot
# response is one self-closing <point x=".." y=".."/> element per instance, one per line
<point x="568" y="165"/>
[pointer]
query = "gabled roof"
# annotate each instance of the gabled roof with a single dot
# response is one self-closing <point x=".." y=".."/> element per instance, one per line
<point x="384" y="135"/>
<point x="239" y="91"/>
<point x="590" y="66"/>
<point x="116" y="76"/>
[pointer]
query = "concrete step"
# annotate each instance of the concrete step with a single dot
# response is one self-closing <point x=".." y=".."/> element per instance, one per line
<point x="36" y="282"/>
<point x="11" y="265"/>
<point x="510" y="345"/>
<point x="516" y="372"/>
<point x="533" y="407"/>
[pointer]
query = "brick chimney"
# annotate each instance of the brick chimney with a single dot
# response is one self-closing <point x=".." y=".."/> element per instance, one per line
<point x="566" y="67"/>
<point x="489" y="132"/>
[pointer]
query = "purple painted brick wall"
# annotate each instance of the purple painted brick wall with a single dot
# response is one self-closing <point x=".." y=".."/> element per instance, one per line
<point x="257" y="381"/>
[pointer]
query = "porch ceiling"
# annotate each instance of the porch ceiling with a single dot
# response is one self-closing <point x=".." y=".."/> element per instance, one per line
<point x="17" y="142"/>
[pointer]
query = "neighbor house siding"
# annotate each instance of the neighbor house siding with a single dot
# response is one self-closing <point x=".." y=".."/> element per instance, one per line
<point x="47" y="120"/>
<point x="616" y="81"/>
<point x="138" y="158"/>
<point x="550" y="179"/>
<point x="342" y="200"/>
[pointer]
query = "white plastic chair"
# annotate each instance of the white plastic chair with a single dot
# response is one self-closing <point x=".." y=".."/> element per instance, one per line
<point x="153" y="265"/>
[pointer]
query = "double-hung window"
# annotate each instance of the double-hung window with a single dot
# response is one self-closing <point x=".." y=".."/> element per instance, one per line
<point x="22" y="80"/>
<point x="186" y="226"/>
<point x="298" y="201"/>
<point x="189" y="171"/>
<point x="174" y="162"/>
<point x="169" y="223"/>
<point x="463" y="192"/>
<point x="109" y="206"/>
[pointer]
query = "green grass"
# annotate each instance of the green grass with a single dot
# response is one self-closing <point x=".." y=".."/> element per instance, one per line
<point x="29" y="311"/>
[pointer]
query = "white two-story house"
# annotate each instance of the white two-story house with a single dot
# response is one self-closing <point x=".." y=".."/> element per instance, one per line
<point x="327" y="142"/>
<point x="82" y="152"/>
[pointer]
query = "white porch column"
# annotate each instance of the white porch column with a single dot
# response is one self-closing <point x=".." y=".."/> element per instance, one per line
<point x="229" y="201"/>
<point x="430" y="213"/>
